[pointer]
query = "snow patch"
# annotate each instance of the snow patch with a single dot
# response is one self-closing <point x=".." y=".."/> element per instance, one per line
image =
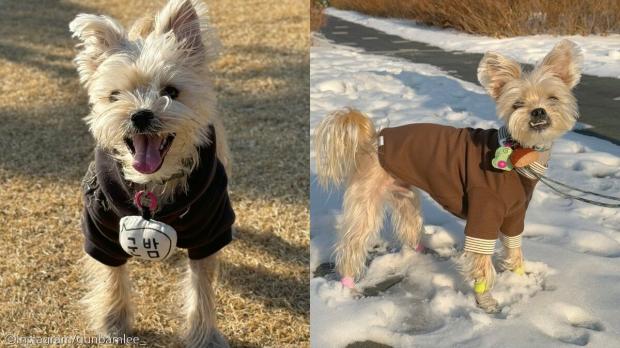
<point x="571" y="291"/>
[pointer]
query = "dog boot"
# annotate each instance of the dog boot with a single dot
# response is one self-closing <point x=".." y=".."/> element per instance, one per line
<point x="348" y="282"/>
<point x="484" y="299"/>
<point x="519" y="271"/>
<point x="420" y="248"/>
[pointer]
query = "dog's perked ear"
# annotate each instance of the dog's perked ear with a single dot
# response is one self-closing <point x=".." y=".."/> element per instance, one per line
<point x="564" y="61"/>
<point x="495" y="70"/>
<point x="100" y="37"/>
<point x="186" y="19"/>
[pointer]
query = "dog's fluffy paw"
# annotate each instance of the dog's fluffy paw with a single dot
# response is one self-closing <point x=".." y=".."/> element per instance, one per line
<point x="113" y="324"/>
<point x="487" y="303"/>
<point x="218" y="340"/>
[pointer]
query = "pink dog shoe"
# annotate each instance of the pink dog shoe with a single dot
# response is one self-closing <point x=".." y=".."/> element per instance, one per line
<point x="348" y="282"/>
<point x="420" y="248"/>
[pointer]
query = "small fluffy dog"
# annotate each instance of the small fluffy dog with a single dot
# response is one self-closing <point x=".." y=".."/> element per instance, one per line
<point x="484" y="176"/>
<point x="153" y="116"/>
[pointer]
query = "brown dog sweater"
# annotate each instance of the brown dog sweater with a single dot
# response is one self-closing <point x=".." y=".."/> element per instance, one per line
<point x="454" y="167"/>
<point x="202" y="216"/>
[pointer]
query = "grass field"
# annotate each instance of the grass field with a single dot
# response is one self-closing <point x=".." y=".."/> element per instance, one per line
<point x="262" y="79"/>
<point x="500" y="18"/>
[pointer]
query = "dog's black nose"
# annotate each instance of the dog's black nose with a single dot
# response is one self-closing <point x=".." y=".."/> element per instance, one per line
<point x="538" y="114"/>
<point x="141" y="119"/>
<point x="539" y="120"/>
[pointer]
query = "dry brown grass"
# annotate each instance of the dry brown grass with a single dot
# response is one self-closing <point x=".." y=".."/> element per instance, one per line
<point x="317" y="17"/>
<point x="500" y="18"/>
<point x="262" y="82"/>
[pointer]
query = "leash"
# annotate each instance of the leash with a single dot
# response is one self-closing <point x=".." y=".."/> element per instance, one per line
<point x="545" y="180"/>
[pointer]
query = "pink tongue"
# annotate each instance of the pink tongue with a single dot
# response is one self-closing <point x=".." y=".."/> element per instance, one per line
<point x="147" y="158"/>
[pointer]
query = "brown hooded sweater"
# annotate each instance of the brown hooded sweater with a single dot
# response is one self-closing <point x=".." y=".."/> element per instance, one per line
<point x="202" y="216"/>
<point x="453" y="165"/>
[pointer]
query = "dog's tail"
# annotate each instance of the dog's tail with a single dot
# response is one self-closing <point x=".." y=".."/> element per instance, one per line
<point x="339" y="140"/>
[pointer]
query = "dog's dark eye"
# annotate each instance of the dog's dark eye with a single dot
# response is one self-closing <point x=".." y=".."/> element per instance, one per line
<point x="170" y="91"/>
<point x="114" y="96"/>
<point x="554" y="98"/>
<point x="517" y="105"/>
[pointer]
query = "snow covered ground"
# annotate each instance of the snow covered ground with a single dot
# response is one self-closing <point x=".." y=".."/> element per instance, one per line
<point x="571" y="295"/>
<point x="602" y="52"/>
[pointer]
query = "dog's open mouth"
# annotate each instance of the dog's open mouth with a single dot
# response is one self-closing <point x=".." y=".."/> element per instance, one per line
<point x="149" y="151"/>
<point x="539" y="125"/>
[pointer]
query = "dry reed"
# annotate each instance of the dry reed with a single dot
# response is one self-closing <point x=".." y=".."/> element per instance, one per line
<point x="500" y="18"/>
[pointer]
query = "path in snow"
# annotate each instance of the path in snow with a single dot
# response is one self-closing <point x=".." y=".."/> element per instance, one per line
<point x="599" y="97"/>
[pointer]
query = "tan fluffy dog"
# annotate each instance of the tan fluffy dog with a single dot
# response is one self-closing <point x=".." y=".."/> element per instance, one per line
<point x="152" y="108"/>
<point x="537" y="107"/>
